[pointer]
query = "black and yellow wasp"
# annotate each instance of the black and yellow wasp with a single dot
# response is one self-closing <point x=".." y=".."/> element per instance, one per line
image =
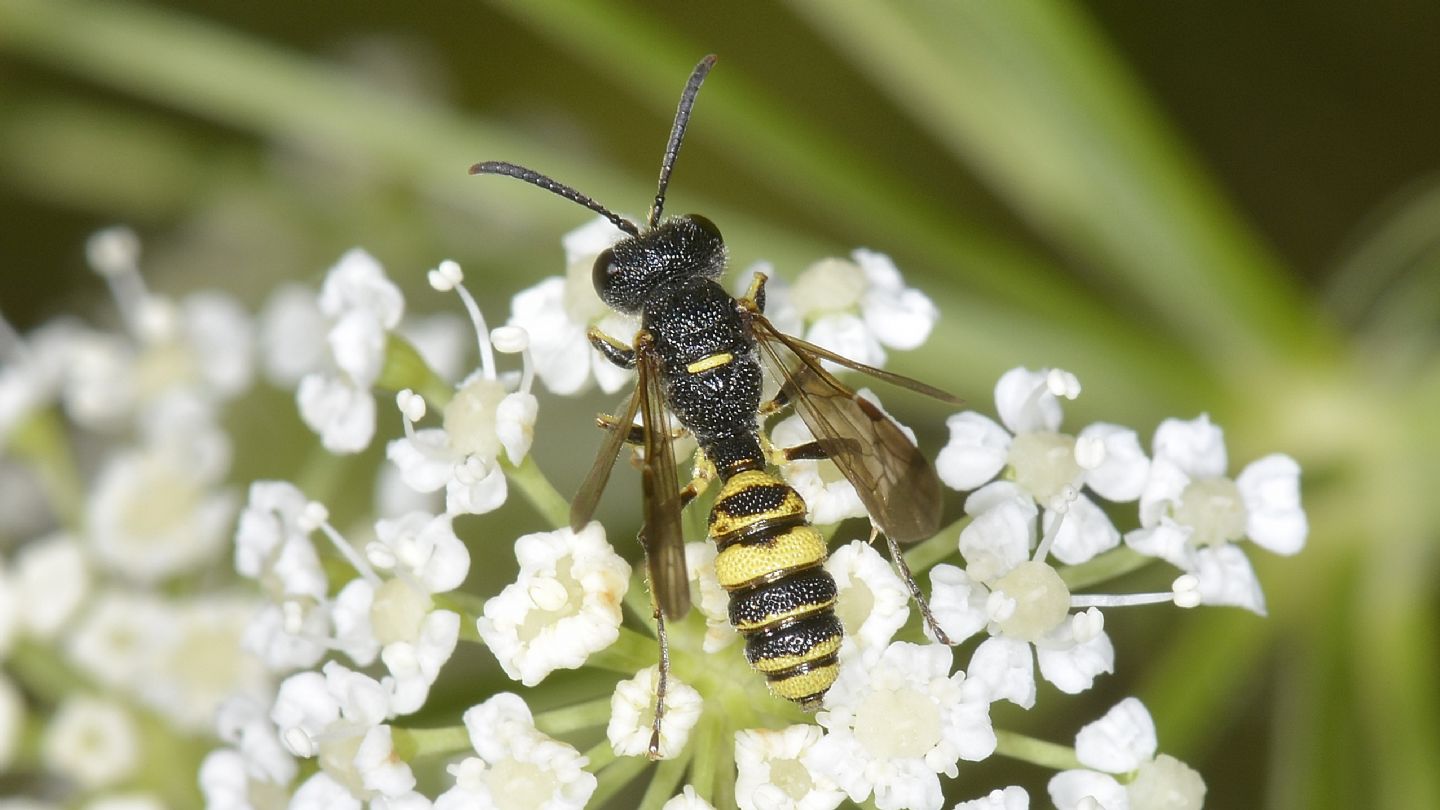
<point x="698" y="354"/>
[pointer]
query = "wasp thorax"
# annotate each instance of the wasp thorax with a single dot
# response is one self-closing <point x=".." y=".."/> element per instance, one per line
<point x="627" y="274"/>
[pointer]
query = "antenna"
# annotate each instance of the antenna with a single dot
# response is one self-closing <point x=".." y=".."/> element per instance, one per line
<point x="677" y="133"/>
<point x="535" y="178"/>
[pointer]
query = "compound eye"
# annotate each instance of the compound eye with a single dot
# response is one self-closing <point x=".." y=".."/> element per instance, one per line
<point x="606" y="271"/>
<point x="706" y="226"/>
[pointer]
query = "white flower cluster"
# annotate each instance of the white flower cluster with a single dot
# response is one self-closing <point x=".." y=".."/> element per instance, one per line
<point x="321" y="682"/>
<point x="114" y="506"/>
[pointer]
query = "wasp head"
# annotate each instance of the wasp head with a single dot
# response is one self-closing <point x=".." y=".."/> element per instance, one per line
<point x="627" y="273"/>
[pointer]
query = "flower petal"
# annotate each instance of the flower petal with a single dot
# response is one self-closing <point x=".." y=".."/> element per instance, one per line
<point x="976" y="451"/>
<point x="1270" y="488"/>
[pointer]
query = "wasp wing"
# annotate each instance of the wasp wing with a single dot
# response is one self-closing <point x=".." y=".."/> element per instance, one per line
<point x="896" y="484"/>
<point x="588" y="496"/>
<point x="808" y="348"/>
<point x="662" y="534"/>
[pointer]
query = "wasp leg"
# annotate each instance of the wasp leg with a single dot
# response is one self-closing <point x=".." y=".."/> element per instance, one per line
<point x="808" y="450"/>
<point x="660" y="683"/>
<point x="612" y="349"/>
<point x="755" y="296"/>
<point x="899" y="560"/>
<point x="635" y="435"/>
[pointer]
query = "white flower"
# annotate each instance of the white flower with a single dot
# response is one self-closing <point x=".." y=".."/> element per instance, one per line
<point x="273" y="548"/>
<point x="872" y="601"/>
<point x="323" y="792"/>
<point x="91" y="740"/>
<point x="1020" y="601"/>
<point x="226" y="784"/>
<point x="483" y="418"/>
<point x="1192" y="515"/>
<point x="1048" y="466"/>
<point x="687" y="799"/>
<point x="462" y="458"/>
<point x="894" y="724"/>
<point x="51" y="580"/>
<point x="1010" y="798"/>
<point x="558" y="311"/>
<point x="516" y="766"/>
<point x="291" y="335"/>
<point x="771" y="773"/>
<point x="712" y="600"/>
<point x="632" y="714"/>
<point x="202" y="662"/>
<point x="119" y="637"/>
<point x="157" y="511"/>
<point x="857" y="305"/>
<point x="334" y="717"/>
<point x="396" y="616"/>
<point x="244" y="722"/>
<point x="564" y="605"/>
<point x="34" y="370"/>
<point x="1122" y="743"/>
<point x="362" y="307"/>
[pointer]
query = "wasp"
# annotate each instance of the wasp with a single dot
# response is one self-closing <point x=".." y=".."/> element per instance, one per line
<point x="699" y="354"/>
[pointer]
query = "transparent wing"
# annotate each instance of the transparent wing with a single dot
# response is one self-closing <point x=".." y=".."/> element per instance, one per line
<point x="893" y="479"/>
<point x="583" y="507"/>
<point x="798" y="345"/>
<point x="662" y="534"/>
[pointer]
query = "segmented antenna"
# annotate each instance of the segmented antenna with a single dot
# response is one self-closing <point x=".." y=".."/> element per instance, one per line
<point x="677" y="133"/>
<point x="535" y="178"/>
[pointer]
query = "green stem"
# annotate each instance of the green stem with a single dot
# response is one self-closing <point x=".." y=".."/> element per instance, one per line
<point x="615" y="774"/>
<point x="667" y="777"/>
<point x="931" y="552"/>
<point x="1037" y="752"/>
<point x="410" y="743"/>
<point x="405" y="368"/>
<point x="600" y="755"/>
<point x="591" y="714"/>
<point x="43" y="442"/>
<point x="1112" y="564"/>
<point x="630" y="653"/>
<point x="538" y="490"/>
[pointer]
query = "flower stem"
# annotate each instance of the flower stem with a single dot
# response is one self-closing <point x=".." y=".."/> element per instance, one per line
<point x="614" y="775"/>
<point x="1103" y="568"/>
<point x="1037" y="752"/>
<point x="667" y="777"/>
<point x="591" y="714"/>
<point x="42" y="441"/>
<point x="538" y="490"/>
<point x="629" y="654"/>
<point x="420" y="742"/>
<point x="929" y="553"/>
<point x="405" y="368"/>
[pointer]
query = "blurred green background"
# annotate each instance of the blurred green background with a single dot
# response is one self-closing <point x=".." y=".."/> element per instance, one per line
<point x="1222" y="207"/>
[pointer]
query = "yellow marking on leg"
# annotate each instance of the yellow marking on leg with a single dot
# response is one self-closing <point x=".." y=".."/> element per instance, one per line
<point x="707" y="363"/>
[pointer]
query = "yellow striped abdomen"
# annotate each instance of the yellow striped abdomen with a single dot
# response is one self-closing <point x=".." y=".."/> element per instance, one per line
<point x="781" y="598"/>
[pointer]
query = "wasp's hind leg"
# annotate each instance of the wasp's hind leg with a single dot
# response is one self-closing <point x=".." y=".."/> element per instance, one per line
<point x="661" y="682"/>
<point x="924" y="605"/>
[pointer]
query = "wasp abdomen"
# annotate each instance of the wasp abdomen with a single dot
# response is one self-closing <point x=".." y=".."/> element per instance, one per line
<point x="781" y="599"/>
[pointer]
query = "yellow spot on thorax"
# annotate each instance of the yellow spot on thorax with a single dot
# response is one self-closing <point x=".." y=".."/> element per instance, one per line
<point x="707" y="363"/>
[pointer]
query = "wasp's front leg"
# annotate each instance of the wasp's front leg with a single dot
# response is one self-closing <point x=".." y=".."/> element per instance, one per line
<point x="612" y="349"/>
